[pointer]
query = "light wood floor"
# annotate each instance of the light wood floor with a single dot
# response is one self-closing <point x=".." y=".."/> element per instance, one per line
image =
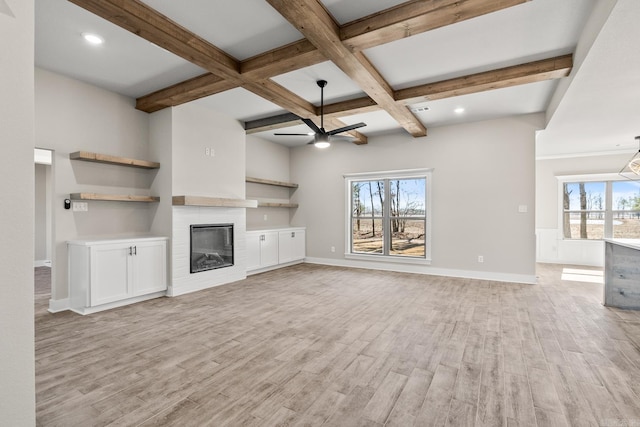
<point x="315" y="345"/>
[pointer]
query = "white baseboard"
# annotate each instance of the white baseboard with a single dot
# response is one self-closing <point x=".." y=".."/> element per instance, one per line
<point x="174" y="291"/>
<point x="421" y="269"/>
<point x="273" y="267"/>
<point x="58" y="305"/>
<point x="115" y="304"/>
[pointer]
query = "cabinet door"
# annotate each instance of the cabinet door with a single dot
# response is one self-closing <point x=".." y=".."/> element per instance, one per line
<point x="291" y="246"/>
<point x="253" y="251"/>
<point x="149" y="267"/>
<point x="285" y="247"/>
<point x="269" y="249"/>
<point x="298" y="245"/>
<point x="110" y="273"/>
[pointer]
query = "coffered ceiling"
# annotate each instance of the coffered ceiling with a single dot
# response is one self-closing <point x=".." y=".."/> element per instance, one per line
<point x="398" y="66"/>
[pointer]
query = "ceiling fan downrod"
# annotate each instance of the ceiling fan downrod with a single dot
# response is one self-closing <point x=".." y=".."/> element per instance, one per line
<point x="322" y="84"/>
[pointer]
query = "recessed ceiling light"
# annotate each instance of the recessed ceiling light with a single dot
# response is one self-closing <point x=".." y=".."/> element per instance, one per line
<point x="93" y="38"/>
<point x="459" y="110"/>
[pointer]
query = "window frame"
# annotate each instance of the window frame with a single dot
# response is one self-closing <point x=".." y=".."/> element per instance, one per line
<point x="609" y="212"/>
<point x="349" y="179"/>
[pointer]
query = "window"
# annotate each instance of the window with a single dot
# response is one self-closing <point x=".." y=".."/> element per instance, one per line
<point x="600" y="209"/>
<point x="388" y="215"/>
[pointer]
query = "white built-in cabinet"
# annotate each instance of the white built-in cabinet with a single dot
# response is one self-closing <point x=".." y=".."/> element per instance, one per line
<point x="268" y="249"/>
<point x="110" y="273"/>
<point x="291" y="245"/>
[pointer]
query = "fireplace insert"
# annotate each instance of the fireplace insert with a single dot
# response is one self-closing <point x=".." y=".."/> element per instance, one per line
<point x="211" y="246"/>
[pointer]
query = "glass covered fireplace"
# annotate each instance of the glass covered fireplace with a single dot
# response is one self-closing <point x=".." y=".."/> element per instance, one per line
<point x="211" y="246"/>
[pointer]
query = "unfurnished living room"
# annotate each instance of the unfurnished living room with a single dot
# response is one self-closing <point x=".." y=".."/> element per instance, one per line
<point x="320" y="212"/>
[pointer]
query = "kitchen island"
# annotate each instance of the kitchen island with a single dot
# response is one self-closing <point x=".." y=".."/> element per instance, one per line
<point x="622" y="273"/>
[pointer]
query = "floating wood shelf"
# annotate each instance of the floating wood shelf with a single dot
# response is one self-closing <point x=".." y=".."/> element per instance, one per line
<point x="213" y="201"/>
<point x="113" y="160"/>
<point x="113" y="197"/>
<point x="271" y="182"/>
<point x="276" y="205"/>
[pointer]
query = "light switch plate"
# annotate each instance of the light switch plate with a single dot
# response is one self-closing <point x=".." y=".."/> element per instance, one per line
<point x="523" y="208"/>
<point x="80" y="206"/>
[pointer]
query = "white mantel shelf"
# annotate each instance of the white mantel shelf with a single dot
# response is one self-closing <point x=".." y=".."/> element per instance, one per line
<point x="214" y="202"/>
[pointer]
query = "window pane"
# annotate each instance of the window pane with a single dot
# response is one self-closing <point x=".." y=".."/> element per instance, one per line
<point x="584" y="225"/>
<point x="626" y="195"/>
<point x="367" y="198"/>
<point x="408" y="237"/>
<point x="407" y="196"/>
<point x="626" y="224"/>
<point x="584" y="196"/>
<point x="366" y="236"/>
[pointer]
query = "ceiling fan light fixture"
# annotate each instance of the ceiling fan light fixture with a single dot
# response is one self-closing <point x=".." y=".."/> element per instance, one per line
<point x="322" y="144"/>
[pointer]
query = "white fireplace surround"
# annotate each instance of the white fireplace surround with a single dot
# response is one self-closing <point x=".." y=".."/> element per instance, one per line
<point x="183" y="281"/>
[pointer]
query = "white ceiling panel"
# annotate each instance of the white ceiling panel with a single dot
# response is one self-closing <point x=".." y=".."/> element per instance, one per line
<point x="527" y="32"/>
<point x="302" y="82"/>
<point x="241" y="28"/>
<point x="240" y="104"/>
<point x="125" y="63"/>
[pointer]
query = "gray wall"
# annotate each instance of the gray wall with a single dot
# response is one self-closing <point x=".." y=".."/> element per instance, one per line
<point x="482" y="172"/>
<point x="17" y="388"/>
<point x="42" y="213"/>
<point x="267" y="160"/>
<point x="73" y="116"/>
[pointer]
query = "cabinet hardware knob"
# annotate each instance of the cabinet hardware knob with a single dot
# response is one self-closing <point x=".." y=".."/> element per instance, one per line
<point x="130" y="250"/>
<point x="135" y="250"/>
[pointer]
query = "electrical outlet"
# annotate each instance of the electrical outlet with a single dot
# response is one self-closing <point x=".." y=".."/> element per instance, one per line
<point x="212" y="152"/>
<point x="264" y="217"/>
<point x="333" y="248"/>
<point x="480" y="258"/>
<point x="207" y="151"/>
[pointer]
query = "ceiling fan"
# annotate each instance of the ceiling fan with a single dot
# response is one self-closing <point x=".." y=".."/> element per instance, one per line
<point x="321" y="137"/>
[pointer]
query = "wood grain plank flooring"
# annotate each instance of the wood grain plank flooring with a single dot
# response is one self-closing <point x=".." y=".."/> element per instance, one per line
<point x="315" y="345"/>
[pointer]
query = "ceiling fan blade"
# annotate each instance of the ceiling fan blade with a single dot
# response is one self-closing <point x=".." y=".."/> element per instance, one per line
<point x="292" y="134"/>
<point x="346" y="128"/>
<point x="312" y="125"/>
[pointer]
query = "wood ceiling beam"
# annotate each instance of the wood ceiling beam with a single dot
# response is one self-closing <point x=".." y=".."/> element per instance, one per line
<point x="530" y="72"/>
<point x="392" y="24"/>
<point x="180" y="93"/>
<point x="281" y="60"/>
<point x="415" y="17"/>
<point x="314" y="22"/>
<point x="271" y="123"/>
<point x="142" y="20"/>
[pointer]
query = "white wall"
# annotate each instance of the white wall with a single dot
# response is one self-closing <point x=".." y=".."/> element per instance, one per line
<point x="17" y="384"/>
<point x="267" y="160"/>
<point x="195" y="128"/>
<point x="73" y="116"/>
<point x="179" y="139"/>
<point x="482" y="172"/>
<point x="550" y="245"/>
